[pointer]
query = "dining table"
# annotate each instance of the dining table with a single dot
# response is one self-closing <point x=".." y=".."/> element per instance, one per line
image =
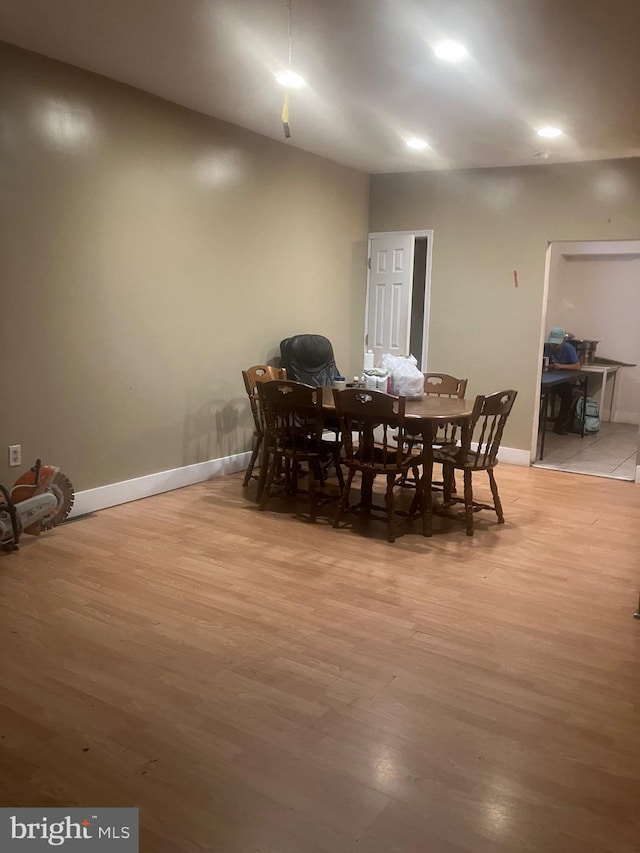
<point x="427" y="413"/>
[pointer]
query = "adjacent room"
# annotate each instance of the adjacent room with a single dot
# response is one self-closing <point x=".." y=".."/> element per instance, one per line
<point x="320" y="477"/>
<point x="594" y="287"/>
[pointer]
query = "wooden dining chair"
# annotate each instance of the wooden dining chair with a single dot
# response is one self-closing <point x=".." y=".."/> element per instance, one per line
<point x="373" y="429"/>
<point x="445" y="385"/>
<point x="252" y="376"/>
<point x="293" y="436"/>
<point x="442" y="385"/>
<point x="478" y="451"/>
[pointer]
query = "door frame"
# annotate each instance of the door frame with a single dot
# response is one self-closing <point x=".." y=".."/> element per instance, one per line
<point x="608" y="246"/>
<point x="428" y="233"/>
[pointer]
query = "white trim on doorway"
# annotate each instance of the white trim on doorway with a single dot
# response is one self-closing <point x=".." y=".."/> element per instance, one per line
<point x="594" y="249"/>
<point x="428" y="233"/>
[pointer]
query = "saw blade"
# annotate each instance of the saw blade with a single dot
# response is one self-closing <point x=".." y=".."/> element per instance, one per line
<point x="63" y="489"/>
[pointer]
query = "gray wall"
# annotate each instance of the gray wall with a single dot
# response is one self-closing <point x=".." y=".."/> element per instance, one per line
<point x="488" y="223"/>
<point x="148" y="254"/>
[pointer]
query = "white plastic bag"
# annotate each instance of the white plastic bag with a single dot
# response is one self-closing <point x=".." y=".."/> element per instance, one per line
<point x="406" y="379"/>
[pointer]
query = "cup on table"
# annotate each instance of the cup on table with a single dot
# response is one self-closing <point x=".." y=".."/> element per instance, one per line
<point x="340" y="383"/>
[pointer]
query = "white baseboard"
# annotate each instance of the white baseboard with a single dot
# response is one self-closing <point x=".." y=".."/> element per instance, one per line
<point x="622" y="417"/>
<point x="102" y="497"/>
<point x="113" y="494"/>
<point x="637" y="473"/>
<point x="514" y="456"/>
<point x="510" y="455"/>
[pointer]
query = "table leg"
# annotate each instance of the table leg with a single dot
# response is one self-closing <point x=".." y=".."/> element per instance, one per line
<point x="427" y="479"/>
<point x="602" y="393"/>
<point x="585" y="383"/>
<point x="613" y="391"/>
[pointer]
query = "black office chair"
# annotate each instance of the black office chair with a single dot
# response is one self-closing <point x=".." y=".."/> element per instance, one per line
<point x="309" y="359"/>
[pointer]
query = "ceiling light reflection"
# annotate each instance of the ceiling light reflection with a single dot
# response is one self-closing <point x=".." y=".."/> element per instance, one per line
<point x="290" y="79"/>
<point x="385" y="768"/>
<point x="550" y="132"/>
<point x="67" y="124"/>
<point x="497" y="818"/>
<point x="219" y="168"/>
<point x="417" y="143"/>
<point x="450" y="51"/>
<point x="610" y="185"/>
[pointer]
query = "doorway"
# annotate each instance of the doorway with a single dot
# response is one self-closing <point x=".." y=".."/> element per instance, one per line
<point x="398" y="294"/>
<point x="592" y="291"/>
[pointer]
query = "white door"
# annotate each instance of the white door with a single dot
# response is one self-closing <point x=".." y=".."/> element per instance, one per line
<point x="389" y="294"/>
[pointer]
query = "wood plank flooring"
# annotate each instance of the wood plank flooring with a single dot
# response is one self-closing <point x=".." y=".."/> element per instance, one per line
<point x="258" y="684"/>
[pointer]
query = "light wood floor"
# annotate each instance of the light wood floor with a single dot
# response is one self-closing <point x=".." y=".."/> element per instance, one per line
<point x="257" y="684"/>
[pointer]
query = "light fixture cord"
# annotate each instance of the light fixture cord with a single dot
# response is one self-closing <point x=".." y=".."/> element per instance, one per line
<point x="285" y="106"/>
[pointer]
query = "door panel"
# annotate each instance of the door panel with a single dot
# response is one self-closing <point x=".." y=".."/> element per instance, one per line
<point x="389" y="295"/>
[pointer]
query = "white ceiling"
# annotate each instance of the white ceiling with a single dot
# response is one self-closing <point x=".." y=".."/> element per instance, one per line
<point x="372" y="78"/>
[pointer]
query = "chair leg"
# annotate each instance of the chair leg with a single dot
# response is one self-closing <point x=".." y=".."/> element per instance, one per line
<point x="343" y="503"/>
<point x="338" y="467"/>
<point x="266" y="489"/>
<point x="293" y="476"/>
<point x="416" y="502"/>
<point x="334" y="461"/>
<point x="315" y="479"/>
<point x="496" y="497"/>
<point x="265" y="455"/>
<point x="427" y="499"/>
<point x="254" y="456"/>
<point x="391" y="517"/>
<point x="366" y="490"/>
<point x="448" y="477"/>
<point x="468" y="502"/>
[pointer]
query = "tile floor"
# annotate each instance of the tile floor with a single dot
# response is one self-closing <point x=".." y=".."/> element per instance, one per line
<point x="611" y="452"/>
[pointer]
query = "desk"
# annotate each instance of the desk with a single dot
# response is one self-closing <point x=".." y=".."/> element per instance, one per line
<point x="428" y="412"/>
<point x="549" y="379"/>
<point x="606" y="371"/>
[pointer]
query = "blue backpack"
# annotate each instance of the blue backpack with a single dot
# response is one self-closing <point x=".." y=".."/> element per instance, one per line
<point x="589" y="413"/>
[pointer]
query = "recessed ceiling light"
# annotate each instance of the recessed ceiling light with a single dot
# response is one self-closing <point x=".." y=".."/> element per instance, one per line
<point x="290" y="79"/>
<point x="550" y="132"/>
<point x="450" y="51"/>
<point x="418" y="144"/>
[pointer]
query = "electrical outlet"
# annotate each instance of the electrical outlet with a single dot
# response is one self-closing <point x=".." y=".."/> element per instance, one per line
<point x="15" y="455"/>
